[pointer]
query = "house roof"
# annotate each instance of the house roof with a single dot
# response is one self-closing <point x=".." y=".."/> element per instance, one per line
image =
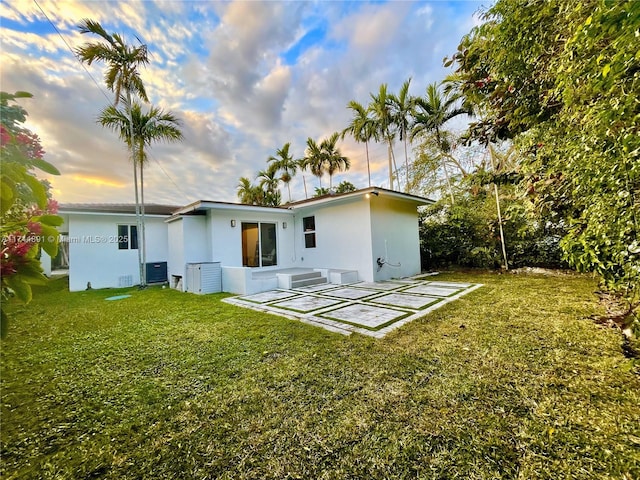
<point x="200" y="206"/>
<point x="377" y="191"/>
<point x="124" y="208"/>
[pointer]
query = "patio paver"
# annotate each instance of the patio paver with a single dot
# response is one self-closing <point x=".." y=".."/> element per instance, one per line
<point x="372" y="309"/>
<point x="366" y="315"/>
<point x="379" y="285"/>
<point x="270" y="296"/>
<point x="416" y="302"/>
<point x="352" y="293"/>
<point x="307" y="303"/>
<point x="432" y="290"/>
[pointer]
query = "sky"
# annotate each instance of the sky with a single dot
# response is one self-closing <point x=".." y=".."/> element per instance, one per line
<point x="243" y="77"/>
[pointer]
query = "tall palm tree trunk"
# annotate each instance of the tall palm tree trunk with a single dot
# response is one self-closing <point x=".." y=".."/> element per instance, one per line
<point x="394" y="167"/>
<point x="366" y="147"/>
<point x="406" y="162"/>
<point x="390" y="167"/>
<point x="135" y="185"/>
<point x="142" y="222"/>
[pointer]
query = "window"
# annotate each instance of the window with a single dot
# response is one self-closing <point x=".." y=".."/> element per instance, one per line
<point x="259" y="245"/>
<point x="309" y="227"/>
<point x="127" y="237"/>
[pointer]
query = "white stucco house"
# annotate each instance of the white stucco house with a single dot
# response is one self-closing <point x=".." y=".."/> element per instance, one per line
<point x="366" y="235"/>
<point x="98" y="243"/>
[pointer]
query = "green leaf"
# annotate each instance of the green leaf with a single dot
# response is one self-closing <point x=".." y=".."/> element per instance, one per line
<point x="45" y="166"/>
<point x="52" y="220"/>
<point x="39" y="192"/>
<point x="6" y="196"/>
<point x="21" y="288"/>
<point x="22" y="94"/>
<point x="34" y="278"/>
<point x="606" y="70"/>
<point x="50" y="240"/>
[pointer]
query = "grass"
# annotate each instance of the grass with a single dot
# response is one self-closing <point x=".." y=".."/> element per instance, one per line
<point x="510" y="381"/>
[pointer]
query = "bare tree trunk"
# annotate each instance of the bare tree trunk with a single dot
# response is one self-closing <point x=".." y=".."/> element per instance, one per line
<point x="504" y="248"/>
<point x="446" y="174"/>
<point x="492" y="154"/>
<point x="304" y="181"/>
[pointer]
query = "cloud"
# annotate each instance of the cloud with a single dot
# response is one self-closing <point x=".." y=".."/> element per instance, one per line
<point x="243" y="68"/>
<point x="244" y="77"/>
<point x="370" y="29"/>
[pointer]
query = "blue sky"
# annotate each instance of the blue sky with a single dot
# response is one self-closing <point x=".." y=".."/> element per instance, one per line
<point x="244" y="78"/>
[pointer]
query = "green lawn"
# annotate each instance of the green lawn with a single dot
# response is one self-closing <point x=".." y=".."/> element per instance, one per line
<point x="510" y="381"/>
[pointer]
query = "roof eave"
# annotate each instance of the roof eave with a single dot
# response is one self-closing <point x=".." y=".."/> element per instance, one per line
<point x="376" y="191"/>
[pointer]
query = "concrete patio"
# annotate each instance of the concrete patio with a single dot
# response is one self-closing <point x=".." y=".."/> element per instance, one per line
<point x="372" y="309"/>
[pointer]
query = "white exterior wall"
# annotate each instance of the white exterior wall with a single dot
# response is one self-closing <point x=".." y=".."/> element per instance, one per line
<point x="93" y="249"/>
<point x="395" y="238"/>
<point x="175" y="259"/>
<point x="188" y="243"/>
<point x="226" y="244"/>
<point x="45" y="262"/>
<point x="343" y="238"/>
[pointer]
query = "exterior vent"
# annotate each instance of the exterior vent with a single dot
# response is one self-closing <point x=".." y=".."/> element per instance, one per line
<point x="125" y="281"/>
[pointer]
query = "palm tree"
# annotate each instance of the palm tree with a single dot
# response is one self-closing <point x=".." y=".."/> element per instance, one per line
<point x="333" y="159"/>
<point x="122" y="75"/>
<point x="431" y="113"/>
<point x="434" y="110"/>
<point x="303" y="165"/>
<point x="269" y="184"/>
<point x="313" y="160"/>
<point x="402" y="107"/>
<point x="284" y="162"/>
<point x="362" y="129"/>
<point x="150" y="127"/>
<point x="381" y="110"/>
<point x="248" y="193"/>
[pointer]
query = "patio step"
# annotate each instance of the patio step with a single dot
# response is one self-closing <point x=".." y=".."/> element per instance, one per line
<point x="305" y="282"/>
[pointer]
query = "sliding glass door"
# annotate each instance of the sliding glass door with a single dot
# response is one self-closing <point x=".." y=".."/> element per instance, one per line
<point x="259" y="245"/>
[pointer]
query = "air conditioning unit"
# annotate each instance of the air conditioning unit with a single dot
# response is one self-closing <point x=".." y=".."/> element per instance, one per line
<point x="204" y="277"/>
<point x="156" y="272"/>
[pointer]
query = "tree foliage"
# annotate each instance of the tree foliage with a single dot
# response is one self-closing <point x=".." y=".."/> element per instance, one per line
<point x="285" y="164"/>
<point x="562" y="79"/>
<point x="467" y="232"/>
<point x="343" y="187"/>
<point x="27" y="212"/>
